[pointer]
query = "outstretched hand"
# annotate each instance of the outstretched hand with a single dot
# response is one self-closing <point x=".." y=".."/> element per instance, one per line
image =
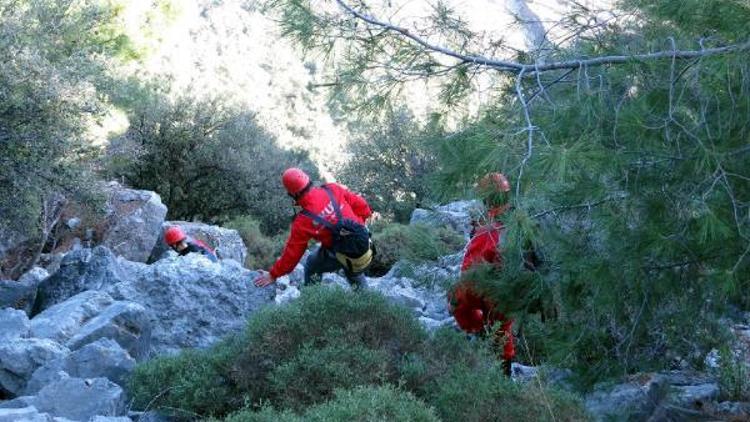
<point x="264" y="279"/>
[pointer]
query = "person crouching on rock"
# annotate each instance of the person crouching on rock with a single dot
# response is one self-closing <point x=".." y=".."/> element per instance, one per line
<point x="474" y="313"/>
<point x="180" y="243"/>
<point x="333" y="216"/>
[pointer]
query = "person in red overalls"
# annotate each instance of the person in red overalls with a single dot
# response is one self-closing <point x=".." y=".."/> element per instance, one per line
<point x="321" y="204"/>
<point x="473" y="313"/>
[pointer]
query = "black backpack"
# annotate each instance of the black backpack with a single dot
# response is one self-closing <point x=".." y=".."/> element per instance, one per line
<point x="350" y="238"/>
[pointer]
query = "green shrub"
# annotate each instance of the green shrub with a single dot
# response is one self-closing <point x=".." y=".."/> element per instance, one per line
<point x="323" y="357"/>
<point x="267" y="414"/>
<point x="391" y="163"/>
<point x="193" y="382"/>
<point x="262" y="250"/>
<point x="414" y="243"/>
<point x="314" y="372"/>
<point x="446" y="348"/>
<point x="365" y="404"/>
<point x="283" y="337"/>
<point x="734" y="376"/>
<point x="485" y="394"/>
<point x="208" y="159"/>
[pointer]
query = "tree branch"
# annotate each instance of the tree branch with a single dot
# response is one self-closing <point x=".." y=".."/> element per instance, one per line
<point x="530" y="69"/>
<point x="588" y="205"/>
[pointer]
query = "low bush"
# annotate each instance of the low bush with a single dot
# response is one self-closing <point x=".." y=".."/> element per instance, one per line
<point x="484" y="394"/>
<point x="414" y="243"/>
<point x="322" y="321"/>
<point x="314" y="372"/>
<point x="193" y="382"/>
<point x="365" y="404"/>
<point x="262" y="250"/>
<point x="334" y="355"/>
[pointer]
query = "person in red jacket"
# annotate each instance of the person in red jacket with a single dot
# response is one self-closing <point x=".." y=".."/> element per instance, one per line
<point x="176" y="239"/>
<point x="473" y="312"/>
<point x="316" y="201"/>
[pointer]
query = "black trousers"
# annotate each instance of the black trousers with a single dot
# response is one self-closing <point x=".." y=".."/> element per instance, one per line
<point x="323" y="260"/>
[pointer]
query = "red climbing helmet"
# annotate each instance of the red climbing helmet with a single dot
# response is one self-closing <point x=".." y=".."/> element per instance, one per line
<point x="295" y="181"/>
<point x="494" y="182"/>
<point x="174" y="235"/>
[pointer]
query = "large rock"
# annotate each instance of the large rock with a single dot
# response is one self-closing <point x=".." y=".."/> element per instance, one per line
<point x="456" y="215"/>
<point x="634" y="400"/>
<point x="426" y="300"/>
<point x="134" y="220"/>
<point x="21" y="294"/>
<point x="62" y="321"/>
<point x="227" y="242"/>
<point x="82" y="399"/>
<point x="125" y="322"/>
<point x="11" y="243"/>
<point x="81" y="270"/>
<point x="674" y="395"/>
<point x="104" y="358"/>
<point x="25" y="414"/>
<point x="192" y="302"/>
<point x="13" y="324"/>
<point x="19" y="359"/>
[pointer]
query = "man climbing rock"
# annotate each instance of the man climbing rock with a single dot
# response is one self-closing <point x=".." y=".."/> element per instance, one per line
<point x="180" y="243"/>
<point x="333" y="216"/>
<point x="474" y="313"/>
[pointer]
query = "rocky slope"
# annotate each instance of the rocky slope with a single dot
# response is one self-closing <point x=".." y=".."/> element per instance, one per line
<point x="68" y="356"/>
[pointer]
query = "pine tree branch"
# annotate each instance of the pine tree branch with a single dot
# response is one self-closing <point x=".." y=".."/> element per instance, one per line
<point x="529" y="69"/>
<point x="588" y="205"/>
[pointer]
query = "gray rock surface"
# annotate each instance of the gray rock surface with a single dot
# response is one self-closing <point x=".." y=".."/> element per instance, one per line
<point x="125" y="322"/>
<point x="669" y="396"/>
<point x="60" y="322"/>
<point x="134" y="220"/>
<point x="13" y="324"/>
<point x="26" y="414"/>
<point x="227" y="242"/>
<point x="51" y="261"/>
<point x="82" y="399"/>
<point x="19" y="359"/>
<point x="456" y="215"/>
<point x="81" y="270"/>
<point x="104" y="358"/>
<point x="21" y="294"/>
<point x="192" y="302"/>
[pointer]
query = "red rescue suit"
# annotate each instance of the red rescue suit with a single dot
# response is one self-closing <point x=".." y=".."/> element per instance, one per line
<point x="316" y="201"/>
<point x="472" y="312"/>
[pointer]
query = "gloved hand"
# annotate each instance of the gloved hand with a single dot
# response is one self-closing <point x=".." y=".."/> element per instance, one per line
<point x="264" y="279"/>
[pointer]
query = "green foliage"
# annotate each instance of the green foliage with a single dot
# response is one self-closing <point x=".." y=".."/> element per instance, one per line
<point x="48" y="96"/>
<point x="366" y="404"/>
<point x="294" y="355"/>
<point x="321" y="322"/>
<point x="464" y="381"/>
<point x="413" y="243"/>
<point x="315" y="371"/>
<point x="734" y="376"/>
<point x="484" y="394"/>
<point x="333" y="355"/>
<point x="207" y="160"/>
<point x="390" y="164"/>
<point x="193" y="382"/>
<point x="630" y="179"/>
<point x="633" y="192"/>
<point x="262" y="250"/>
